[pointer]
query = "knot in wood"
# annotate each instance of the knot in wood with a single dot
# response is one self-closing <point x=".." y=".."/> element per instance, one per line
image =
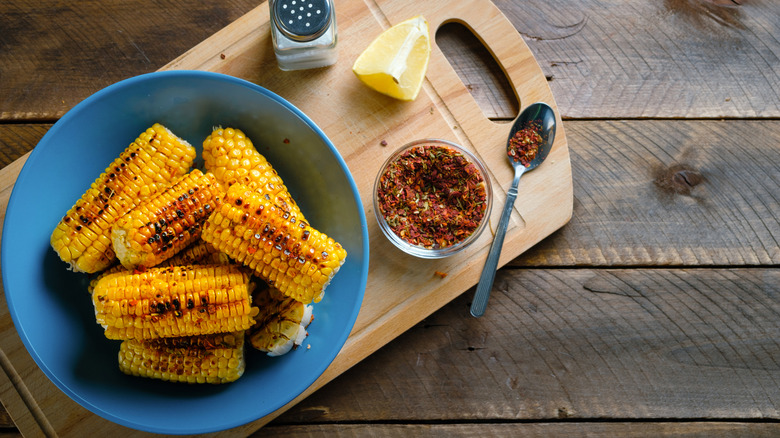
<point x="679" y="179"/>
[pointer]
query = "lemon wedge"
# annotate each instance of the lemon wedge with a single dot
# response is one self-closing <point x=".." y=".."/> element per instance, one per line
<point x="395" y="62"/>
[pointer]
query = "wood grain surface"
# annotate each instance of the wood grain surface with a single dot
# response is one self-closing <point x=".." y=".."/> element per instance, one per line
<point x="580" y="343"/>
<point x="665" y="58"/>
<point x="654" y="312"/>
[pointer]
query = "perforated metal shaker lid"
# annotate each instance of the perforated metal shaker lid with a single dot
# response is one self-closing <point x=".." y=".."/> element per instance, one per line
<point x="302" y="20"/>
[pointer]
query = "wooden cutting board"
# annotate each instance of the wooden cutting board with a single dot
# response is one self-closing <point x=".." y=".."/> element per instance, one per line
<point x="401" y="290"/>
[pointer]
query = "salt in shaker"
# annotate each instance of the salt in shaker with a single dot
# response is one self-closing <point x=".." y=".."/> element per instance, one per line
<point x="303" y="33"/>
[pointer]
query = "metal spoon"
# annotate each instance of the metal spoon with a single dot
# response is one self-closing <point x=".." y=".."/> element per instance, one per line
<point x="545" y="115"/>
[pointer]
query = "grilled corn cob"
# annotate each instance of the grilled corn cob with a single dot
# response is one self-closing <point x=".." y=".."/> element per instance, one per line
<point x="287" y="253"/>
<point x="82" y="238"/>
<point x="232" y="158"/>
<point x="199" y="253"/>
<point x="167" y="222"/>
<point x="281" y="324"/>
<point x="174" y="301"/>
<point x="215" y="358"/>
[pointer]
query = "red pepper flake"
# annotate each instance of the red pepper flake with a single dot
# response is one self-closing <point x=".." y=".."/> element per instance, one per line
<point x="286" y="141"/>
<point x="524" y="145"/>
<point x="221" y="56"/>
<point x="440" y="274"/>
<point x="432" y="196"/>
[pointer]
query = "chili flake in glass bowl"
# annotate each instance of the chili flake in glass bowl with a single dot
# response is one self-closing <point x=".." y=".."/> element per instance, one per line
<point x="432" y="198"/>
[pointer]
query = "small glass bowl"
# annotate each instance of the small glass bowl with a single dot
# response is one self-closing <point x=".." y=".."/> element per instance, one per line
<point x="419" y="250"/>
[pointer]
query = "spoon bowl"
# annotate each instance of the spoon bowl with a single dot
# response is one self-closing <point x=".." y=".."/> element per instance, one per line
<point x="543" y="116"/>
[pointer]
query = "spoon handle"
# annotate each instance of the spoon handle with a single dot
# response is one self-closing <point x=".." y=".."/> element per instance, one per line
<point x="479" y="304"/>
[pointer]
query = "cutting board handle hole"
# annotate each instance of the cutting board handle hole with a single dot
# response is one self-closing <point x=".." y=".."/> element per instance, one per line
<point x="479" y="71"/>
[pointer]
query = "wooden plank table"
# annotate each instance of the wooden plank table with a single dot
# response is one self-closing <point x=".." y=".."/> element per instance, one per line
<point x="655" y="311"/>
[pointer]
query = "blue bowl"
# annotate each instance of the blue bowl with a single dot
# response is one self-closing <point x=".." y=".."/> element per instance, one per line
<point x="51" y="308"/>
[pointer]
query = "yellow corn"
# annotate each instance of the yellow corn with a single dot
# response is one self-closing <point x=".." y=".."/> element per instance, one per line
<point x="281" y="323"/>
<point x="174" y="301"/>
<point x="167" y="222"/>
<point x="82" y="238"/>
<point x="112" y="270"/>
<point x="215" y="358"/>
<point x="232" y="158"/>
<point x="199" y="253"/>
<point x="287" y="253"/>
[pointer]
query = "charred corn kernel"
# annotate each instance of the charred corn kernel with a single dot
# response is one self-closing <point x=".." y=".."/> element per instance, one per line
<point x="232" y="158"/>
<point x="281" y="323"/>
<point x="82" y="237"/>
<point x="215" y="358"/>
<point x="167" y="222"/>
<point x="174" y="301"/>
<point x="287" y="253"/>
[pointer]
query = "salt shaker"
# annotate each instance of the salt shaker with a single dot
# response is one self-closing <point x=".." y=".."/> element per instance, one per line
<point x="303" y="33"/>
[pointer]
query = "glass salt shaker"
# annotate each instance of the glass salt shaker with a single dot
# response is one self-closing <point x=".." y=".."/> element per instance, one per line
<point x="303" y="33"/>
